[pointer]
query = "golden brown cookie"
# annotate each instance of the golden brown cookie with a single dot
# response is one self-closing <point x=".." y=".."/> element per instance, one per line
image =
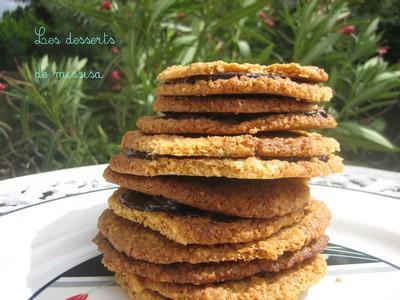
<point x="141" y="243"/>
<point x="284" y="144"/>
<point x="233" y="124"/>
<point x="247" y="168"/>
<point x="136" y="294"/>
<point x="186" y="225"/>
<point x="286" y="285"/>
<point x="244" y="198"/>
<point x="243" y="84"/>
<point x="291" y="70"/>
<point x="185" y="273"/>
<point x="231" y="104"/>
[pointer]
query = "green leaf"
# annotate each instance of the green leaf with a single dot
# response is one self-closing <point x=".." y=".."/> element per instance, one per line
<point x="93" y="12"/>
<point x="160" y="7"/>
<point x="44" y="63"/>
<point x="324" y="45"/>
<point x="79" y="64"/>
<point x="51" y="149"/>
<point x="184" y="40"/>
<point x="189" y="55"/>
<point x="235" y="16"/>
<point x="356" y="136"/>
<point x="264" y="55"/>
<point x="24" y="118"/>
<point x="375" y="105"/>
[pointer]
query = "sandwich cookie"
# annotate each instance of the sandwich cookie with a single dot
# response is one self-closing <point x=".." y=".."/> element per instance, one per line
<point x="291" y="70"/>
<point x="243" y="198"/>
<point x="218" y="78"/>
<point x="237" y="83"/>
<point x="141" y="243"/>
<point x="187" y="225"/>
<point x="186" y="273"/>
<point x="284" y="285"/>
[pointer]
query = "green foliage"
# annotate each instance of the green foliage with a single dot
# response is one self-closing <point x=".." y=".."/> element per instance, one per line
<point x="16" y="35"/>
<point x="388" y="11"/>
<point x="363" y="82"/>
<point x="152" y="37"/>
<point x="355" y="135"/>
<point x="314" y="34"/>
<point x="58" y="128"/>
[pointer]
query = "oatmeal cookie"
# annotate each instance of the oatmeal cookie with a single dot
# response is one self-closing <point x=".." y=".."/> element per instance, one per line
<point x="186" y="225"/>
<point x="142" y="243"/>
<point x="243" y="198"/>
<point x="291" y="70"/>
<point x="231" y="104"/>
<point x="209" y="124"/>
<point x="285" y="144"/>
<point x="244" y="168"/>
<point x="286" y="285"/>
<point x="185" y="273"/>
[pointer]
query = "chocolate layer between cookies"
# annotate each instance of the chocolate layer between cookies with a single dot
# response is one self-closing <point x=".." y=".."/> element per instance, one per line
<point x="227" y="75"/>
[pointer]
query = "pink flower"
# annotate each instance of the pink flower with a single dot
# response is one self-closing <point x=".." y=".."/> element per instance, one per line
<point x="347" y="30"/>
<point x="262" y="14"/>
<point x="269" y="22"/>
<point x="106" y="5"/>
<point x="78" y="297"/>
<point x="114" y="50"/>
<point x="382" y="50"/>
<point x="3" y="86"/>
<point x="115" y="75"/>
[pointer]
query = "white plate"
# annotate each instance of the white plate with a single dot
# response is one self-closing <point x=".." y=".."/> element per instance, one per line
<point x="40" y="243"/>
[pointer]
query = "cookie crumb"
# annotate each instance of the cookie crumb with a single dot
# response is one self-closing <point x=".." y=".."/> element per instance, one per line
<point x="339" y="279"/>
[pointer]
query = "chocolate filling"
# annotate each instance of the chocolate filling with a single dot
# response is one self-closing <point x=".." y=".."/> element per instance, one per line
<point x="228" y="75"/>
<point x="149" y="156"/>
<point x="280" y="134"/>
<point x="317" y="112"/>
<point x="217" y="76"/>
<point x="236" y="118"/>
<point x="144" y="202"/>
<point x="261" y="134"/>
<point x="265" y="97"/>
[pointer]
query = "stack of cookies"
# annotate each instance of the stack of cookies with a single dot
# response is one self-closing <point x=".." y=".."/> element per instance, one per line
<point x="213" y="200"/>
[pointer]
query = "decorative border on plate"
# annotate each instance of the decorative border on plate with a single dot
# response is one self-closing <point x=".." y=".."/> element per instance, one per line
<point x="51" y="187"/>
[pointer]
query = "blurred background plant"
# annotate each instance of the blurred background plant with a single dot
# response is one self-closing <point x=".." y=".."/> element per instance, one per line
<point x="55" y="123"/>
